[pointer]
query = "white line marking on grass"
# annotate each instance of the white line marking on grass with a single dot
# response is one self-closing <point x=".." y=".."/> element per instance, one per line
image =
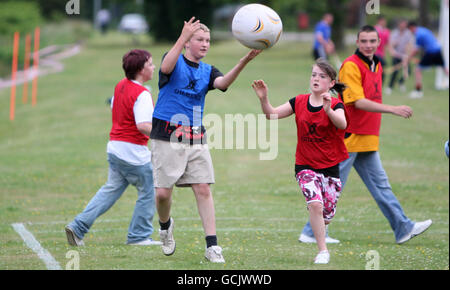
<point x="185" y="229"/>
<point x="34" y="245"/>
<point x="281" y="219"/>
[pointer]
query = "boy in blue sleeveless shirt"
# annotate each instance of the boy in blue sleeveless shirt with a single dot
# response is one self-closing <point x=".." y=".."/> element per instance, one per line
<point x="180" y="155"/>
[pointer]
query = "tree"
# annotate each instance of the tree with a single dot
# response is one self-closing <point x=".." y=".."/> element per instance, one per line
<point x="338" y="9"/>
<point x="166" y="17"/>
<point x="423" y="13"/>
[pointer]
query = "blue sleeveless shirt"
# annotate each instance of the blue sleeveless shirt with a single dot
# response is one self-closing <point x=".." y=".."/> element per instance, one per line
<point x="183" y="97"/>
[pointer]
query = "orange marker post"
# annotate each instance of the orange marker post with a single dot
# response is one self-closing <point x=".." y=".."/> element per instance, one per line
<point x="26" y="65"/>
<point x="35" y="66"/>
<point x="12" y="104"/>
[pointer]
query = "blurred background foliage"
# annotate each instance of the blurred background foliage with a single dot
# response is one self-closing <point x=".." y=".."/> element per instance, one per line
<point x="166" y="17"/>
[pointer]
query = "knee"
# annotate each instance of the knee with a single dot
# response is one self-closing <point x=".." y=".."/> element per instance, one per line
<point x="202" y="190"/>
<point x="315" y="208"/>
<point x="163" y="194"/>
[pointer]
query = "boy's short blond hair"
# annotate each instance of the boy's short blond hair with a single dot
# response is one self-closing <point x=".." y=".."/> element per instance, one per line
<point x="204" y="27"/>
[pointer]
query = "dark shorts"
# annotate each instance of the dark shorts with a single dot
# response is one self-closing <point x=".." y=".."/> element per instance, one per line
<point x="430" y="59"/>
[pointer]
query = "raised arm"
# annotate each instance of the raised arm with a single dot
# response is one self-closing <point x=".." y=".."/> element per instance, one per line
<point x="170" y="60"/>
<point x="271" y="113"/>
<point x="337" y="117"/>
<point x="225" y="81"/>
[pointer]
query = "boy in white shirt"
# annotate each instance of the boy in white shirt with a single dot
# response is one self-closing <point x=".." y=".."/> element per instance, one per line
<point x="128" y="155"/>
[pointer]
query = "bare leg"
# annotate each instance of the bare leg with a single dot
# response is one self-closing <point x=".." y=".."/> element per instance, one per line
<point x="163" y="203"/>
<point x="317" y="224"/>
<point x="418" y="79"/>
<point x="205" y="206"/>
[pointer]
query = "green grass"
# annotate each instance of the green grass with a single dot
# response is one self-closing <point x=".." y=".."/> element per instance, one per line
<point x="53" y="160"/>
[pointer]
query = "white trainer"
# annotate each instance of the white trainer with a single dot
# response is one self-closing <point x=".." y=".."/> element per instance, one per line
<point x="322" y="258"/>
<point x="307" y="239"/>
<point x="214" y="254"/>
<point x="168" y="243"/>
<point x="72" y="239"/>
<point x="388" y="91"/>
<point x="146" y="242"/>
<point x="419" y="227"/>
<point x="416" y="94"/>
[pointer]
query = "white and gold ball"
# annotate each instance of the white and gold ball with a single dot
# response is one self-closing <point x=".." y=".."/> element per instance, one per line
<point x="257" y="26"/>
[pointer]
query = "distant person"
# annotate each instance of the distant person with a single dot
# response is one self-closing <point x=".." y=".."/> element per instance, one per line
<point x="399" y="46"/>
<point x="361" y="72"/>
<point x="128" y="155"/>
<point x="432" y="54"/>
<point x="180" y="154"/>
<point x="103" y="19"/>
<point x="446" y="148"/>
<point x="384" y="34"/>
<point x="321" y="124"/>
<point x="323" y="45"/>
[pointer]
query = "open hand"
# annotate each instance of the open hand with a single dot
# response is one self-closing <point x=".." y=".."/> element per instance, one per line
<point x="251" y="55"/>
<point x="190" y="28"/>
<point x="260" y="89"/>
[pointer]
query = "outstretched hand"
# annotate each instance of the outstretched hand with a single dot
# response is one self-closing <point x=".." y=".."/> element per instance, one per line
<point x="260" y="89"/>
<point x="251" y="55"/>
<point x="403" y="111"/>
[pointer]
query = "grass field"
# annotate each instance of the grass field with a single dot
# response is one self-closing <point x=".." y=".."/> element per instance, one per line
<point x="53" y="160"/>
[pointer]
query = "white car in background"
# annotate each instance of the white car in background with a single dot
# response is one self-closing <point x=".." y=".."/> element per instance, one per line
<point x="134" y="23"/>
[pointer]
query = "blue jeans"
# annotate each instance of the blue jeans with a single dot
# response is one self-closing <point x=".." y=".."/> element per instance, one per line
<point x="369" y="167"/>
<point x="120" y="175"/>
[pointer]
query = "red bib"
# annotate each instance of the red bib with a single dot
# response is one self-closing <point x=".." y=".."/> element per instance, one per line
<point x="124" y="125"/>
<point x="360" y="121"/>
<point x="319" y="143"/>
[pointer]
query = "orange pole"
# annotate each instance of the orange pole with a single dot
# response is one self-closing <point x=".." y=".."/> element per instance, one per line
<point x="26" y="65"/>
<point x="35" y="66"/>
<point x="12" y="104"/>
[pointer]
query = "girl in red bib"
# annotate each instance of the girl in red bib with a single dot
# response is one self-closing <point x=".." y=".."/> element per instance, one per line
<point x="321" y="125"/>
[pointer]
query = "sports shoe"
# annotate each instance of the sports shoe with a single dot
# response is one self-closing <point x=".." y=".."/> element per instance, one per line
<point x="72" y="239"/>
<point x="419" y="227"/>
<point x="166" y="237"/>
<point x="214" y="254"/>
<point x="402" y="88"/>
<point x="322" y="258"/>
<point x="307" y="239"/>
<point x="416" y="94"/>
<point x="146" y="242"/>
<point x="388" y="91"/>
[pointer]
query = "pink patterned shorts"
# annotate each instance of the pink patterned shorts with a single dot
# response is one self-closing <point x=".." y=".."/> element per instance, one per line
<point x="318" y="188"/>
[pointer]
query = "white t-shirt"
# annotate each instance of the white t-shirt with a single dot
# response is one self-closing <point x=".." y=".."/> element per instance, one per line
<point x="129" y="152"/>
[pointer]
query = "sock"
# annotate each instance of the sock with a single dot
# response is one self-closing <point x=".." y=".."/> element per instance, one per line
<point x="211" y="241"/>
<point x="164" y="226"/>
<point x="418" y="88"/>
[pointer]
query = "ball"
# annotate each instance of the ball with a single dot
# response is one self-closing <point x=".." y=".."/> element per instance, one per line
<point x="257" y="26"/>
